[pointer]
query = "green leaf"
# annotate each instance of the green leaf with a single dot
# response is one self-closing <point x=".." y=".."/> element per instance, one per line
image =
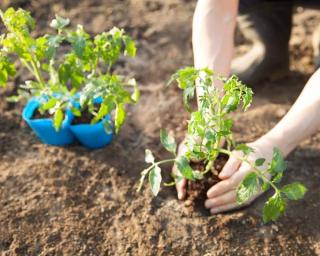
<point x="168" y="141"/>
<point x="103" y="111"/>
<point x="130" y="47"/>
<point x="184" y="167"/>
<point x="149" y="158"/>
<point x="155" y="179"/>
<point x="120" y="116"/>
<point x="260" y="161"/>
<point x="230" y="102"/>
<point x="57" y="119"/>
<point x="247" y="188"/>
<point x="3" y="77"/>
<point x="49" y="104"/>
<point x="245" y="149"/>
<point x="59" y="22"/>
<point x="247" y="98"/>
<point x="277" y="164"/>
<point x="274" y="208"/>
<point x="294" y="191"/>
<point x="75" y="111"/>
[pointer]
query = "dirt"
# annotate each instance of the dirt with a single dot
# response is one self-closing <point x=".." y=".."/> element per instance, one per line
<point x="38" y="115"/>
<point x="197" y="190"/>
<point x="85" y="117"/>
<point x="73" y="201"/>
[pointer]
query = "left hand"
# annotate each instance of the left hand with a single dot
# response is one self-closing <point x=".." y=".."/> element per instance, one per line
<point x="223" y="195"/>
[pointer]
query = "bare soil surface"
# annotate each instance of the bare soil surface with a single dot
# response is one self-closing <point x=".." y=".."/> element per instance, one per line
<point x="73" y="201"/>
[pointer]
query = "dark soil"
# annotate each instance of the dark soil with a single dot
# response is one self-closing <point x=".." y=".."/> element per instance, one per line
<point x="38" y="115"/>
<point x="197" y="190"/>
<point x="73" y="201"/>
<point x="85" y="117"/>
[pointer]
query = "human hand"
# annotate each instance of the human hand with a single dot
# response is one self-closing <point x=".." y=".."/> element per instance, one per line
<point x="223" y="195"/>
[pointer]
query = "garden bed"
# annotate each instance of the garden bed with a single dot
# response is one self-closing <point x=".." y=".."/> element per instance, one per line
<point x="73" y="201"/>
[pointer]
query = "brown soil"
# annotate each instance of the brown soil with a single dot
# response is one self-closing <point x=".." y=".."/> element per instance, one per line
<point x="38" y="115"/>
<point x="73" y="201"/>
<point x="197" y="190"/>
<point x="85" y="117"/>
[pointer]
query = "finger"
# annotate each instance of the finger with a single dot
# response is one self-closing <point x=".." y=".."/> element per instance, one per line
<point x="221" y="188"/>
<point x="181" y="189"/>
<point x="230" y="168"/>
<point x="224" y="208"/>
<point x="227" y="198"/>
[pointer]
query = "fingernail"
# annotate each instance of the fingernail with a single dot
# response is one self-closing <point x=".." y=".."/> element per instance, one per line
<point x="213" y="211"/>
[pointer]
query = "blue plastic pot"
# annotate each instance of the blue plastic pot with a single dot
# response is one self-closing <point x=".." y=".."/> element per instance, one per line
<point x="92" y="135"/>
<point x="44" y="129"/>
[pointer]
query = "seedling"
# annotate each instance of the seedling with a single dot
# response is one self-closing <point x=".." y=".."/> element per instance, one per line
<point x="210" y="125"/>
<point x="68" y="66"/>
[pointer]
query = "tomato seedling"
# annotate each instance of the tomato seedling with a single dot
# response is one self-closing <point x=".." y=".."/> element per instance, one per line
<point x="67" y="66"/>
<point x="210" y="125"/>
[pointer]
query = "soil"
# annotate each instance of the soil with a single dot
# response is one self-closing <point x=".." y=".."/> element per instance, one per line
<point x="197" y="190"/>
<point x="38" y="115"/>
<point x="85" y="117"/>
<point x="73" y="201"/>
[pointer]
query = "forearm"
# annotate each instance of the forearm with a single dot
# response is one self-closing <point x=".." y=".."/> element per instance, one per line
<point x="213" y="34"/>
<point x="301" y="121"/>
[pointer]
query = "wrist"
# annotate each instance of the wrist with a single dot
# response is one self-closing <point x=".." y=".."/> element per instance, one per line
<point x="277" y="140"/>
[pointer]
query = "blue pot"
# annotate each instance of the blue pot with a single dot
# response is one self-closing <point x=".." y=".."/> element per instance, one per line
<point x="92" y="135"/>
<point x="44" y="128"/>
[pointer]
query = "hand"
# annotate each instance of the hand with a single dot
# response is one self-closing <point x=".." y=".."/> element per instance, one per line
<point x="223" y="195"/>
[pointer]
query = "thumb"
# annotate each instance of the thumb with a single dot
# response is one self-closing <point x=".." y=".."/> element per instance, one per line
<point x="230" y="168"/>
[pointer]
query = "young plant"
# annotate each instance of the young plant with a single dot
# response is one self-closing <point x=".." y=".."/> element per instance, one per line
<point x="208" y="127"/>
<point x="80" y="72"/>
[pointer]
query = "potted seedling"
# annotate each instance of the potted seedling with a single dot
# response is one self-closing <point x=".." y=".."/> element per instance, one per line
<point x="73" y="90"/>
<point x="210" y="142"/>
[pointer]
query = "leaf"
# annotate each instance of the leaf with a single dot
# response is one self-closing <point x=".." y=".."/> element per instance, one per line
<point x="57" y="119"/>
<point x="230" y="102"/>
<point x="3" y="77"/>
<point x="155" y="179"/>
<point x="130" y="47"/>
<point x="59" y="22"/>
<point x="75" y="111"/>
<point x="260" y="161"/>
<point x="247" y="188"/>
<point x="277" y="164"/>
<point x="168" y="141"/>
<point x="49" y="104"/>
<point x="149" y="158"/>
<point x="245" y="149"/>
<point x="120" y="116"/>
<point x="184" y="167"/>
<point x="273" y="208"/>
<point x="188" y="94"/>
<point x="247" y="98"/>
<point x="136" y="93"/>
<point x="294" y="191"/>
